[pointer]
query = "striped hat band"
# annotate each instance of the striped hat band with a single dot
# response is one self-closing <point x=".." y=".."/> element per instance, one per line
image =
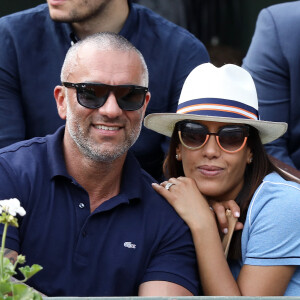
<point x="218" y="107"/>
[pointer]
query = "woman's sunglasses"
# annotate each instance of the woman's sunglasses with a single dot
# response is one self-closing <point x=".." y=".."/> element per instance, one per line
<point x="230" y="138"/>
<point x="94" y="95"/>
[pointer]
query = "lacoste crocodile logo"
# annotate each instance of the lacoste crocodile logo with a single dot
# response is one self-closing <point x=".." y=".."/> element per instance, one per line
<point x="129" y="245"/>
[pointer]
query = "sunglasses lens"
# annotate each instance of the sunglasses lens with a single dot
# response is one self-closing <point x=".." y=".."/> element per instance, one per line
<point x="128" y="97"/>
<point x="92" y="97"/>
<point x="231" y="138"/>
<point x="193" y="135"/>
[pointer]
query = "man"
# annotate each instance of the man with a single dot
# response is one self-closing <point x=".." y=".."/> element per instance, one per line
<point x="30" y="67"/>
<point x="93" y="221"/>
<point x="273" y="60"/>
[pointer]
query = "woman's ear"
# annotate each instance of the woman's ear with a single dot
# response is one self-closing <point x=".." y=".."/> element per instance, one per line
<point x="178" y="153"/>
<point x="250" y="157"/>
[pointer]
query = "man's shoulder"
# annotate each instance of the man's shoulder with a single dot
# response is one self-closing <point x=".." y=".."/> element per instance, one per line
<point x="152" y="200"/>
<point x="23" y="147"/>
<point x="283" y="14"/>
<point x="29" y="15"/>
<point x="161" y="27"/>
<point x="285" y="7"/>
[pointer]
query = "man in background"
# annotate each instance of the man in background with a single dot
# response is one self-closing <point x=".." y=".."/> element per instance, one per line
<point x="33" y="46"/>
<point x="273" y="60"/>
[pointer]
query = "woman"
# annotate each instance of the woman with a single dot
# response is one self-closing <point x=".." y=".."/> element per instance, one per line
<point x="216" y="155"/>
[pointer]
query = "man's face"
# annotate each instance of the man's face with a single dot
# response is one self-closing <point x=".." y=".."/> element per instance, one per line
<point x="106" y="133"/>
<point x="72" y="11"/>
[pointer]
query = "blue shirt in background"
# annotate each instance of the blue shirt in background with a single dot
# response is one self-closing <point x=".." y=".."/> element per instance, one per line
<point x="273" y="60"/>
<point x="33" y="48"/>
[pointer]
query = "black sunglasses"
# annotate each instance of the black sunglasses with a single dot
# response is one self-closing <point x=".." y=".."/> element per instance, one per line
<point x="94" y="95"/>
<point x="230" y="138"/>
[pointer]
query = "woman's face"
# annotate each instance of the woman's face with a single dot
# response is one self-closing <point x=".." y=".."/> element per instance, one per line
<point x="218" y="174"/>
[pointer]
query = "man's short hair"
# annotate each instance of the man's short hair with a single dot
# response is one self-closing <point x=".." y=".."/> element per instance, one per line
<point x="103" y="41"/>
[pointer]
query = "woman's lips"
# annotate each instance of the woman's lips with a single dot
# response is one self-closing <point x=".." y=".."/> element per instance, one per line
<point x="210" y="170"/>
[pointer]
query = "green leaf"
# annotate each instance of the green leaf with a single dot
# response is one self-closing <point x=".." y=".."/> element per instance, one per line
<point x="8" y="266"/>
<point x="5" y="288"/>
<point x="23" y="292"/>
<point x="30" y="271"/>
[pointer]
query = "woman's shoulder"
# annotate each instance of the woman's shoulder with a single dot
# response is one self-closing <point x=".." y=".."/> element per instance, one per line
<point x="274" y="195"/>
<point x="275" y="183"/>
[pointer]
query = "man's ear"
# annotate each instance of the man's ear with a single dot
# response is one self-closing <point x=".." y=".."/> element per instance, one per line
<point x="61" y="101"/>
<point x="147" y="99"/>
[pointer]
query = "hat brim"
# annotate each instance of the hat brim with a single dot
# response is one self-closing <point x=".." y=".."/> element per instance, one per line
<point x="164" y="123"/>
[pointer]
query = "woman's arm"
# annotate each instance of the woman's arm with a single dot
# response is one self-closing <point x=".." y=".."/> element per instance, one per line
<point x="215" y="274"/>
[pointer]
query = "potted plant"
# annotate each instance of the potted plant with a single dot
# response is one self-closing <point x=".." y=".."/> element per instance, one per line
<point x="9" y="287"/>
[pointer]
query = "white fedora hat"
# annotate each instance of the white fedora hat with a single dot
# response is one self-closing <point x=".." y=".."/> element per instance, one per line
<point x="225" y="94"/>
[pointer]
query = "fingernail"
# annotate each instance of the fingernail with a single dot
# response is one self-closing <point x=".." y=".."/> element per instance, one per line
<point x="154" y="183"/>
<point x="225" y="230"/>
<point x="237" y="214"/>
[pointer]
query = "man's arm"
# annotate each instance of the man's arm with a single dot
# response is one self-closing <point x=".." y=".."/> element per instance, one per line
<point x="12" y="125"/>
<point x="162" y="288"/>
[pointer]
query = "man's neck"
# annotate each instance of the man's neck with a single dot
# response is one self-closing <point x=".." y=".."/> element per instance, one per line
<point x="112" y="19"/>
<point x="101" y="180"/>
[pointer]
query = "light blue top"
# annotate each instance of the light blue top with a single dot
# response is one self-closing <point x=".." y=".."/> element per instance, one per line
<point x="271" y="234"/>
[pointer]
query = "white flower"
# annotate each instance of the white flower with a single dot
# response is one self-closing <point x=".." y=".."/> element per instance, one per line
<point x="12" y="206"/>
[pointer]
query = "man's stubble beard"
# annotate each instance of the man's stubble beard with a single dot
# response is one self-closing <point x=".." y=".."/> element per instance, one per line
<point x="75" y="15"/>
<point x="92" y="150"/>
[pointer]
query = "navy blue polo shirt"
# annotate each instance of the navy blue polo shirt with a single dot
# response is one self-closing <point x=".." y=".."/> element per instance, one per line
<point x="32" y="51"/>
<point x="131" y="238"/>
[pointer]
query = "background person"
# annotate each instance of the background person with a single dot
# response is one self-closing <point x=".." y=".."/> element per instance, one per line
<point x="273" y="61"/>
<point x="216" y="154"/>
<point x="30" y="67"/>
<point x="93" y="221"/>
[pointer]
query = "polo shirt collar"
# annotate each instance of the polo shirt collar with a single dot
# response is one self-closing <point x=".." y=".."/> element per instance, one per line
<point x="56" y="161"/>
<point x="131" y="182"/>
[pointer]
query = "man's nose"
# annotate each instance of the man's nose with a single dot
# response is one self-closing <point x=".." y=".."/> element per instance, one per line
<point x="111" y="108"/>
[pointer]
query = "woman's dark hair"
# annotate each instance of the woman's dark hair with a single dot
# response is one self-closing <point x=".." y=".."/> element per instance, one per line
<point x="254" y="174"/>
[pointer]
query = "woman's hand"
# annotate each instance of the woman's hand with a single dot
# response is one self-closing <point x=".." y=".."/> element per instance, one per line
<point x="186" y="199"/>
<point x="220" y="211"/>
